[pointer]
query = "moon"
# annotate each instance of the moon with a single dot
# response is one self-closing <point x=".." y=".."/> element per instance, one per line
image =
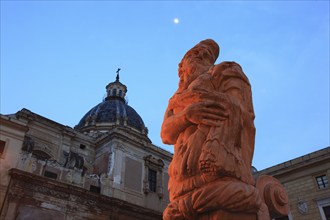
<point x="176" y="20"/>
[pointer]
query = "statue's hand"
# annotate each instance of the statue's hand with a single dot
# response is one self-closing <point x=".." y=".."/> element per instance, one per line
<point x="172" y="212"/>
<point x="222" y="98"/>
<point x="209" y="113"/>
<point x="187" y="97"/>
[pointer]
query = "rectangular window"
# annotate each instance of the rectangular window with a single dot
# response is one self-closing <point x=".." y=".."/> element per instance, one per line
<point x="50" y="175"/>
<point x="326" y="210"/>
<point x="2" y="146"/>
<point x="152" y="179"/>
<point x="322" y="182"/>
<point x="95" y="189"/>
<point x="282" y="218"/>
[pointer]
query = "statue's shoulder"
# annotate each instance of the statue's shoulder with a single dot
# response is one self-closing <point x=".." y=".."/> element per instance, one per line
<point x="228" y="70"/>
<point x="218" y="68"/>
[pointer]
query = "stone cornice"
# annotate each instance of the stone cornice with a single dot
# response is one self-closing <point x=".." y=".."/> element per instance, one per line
<point x="31" y="116"/>
<point x="318" y="157"/>
<point x="124" y="132"/>
<point x="121" y="134"/>
<point x="12" y="122"/>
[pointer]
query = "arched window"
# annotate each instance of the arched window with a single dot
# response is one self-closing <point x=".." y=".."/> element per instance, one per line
<point x="41" y="155"/>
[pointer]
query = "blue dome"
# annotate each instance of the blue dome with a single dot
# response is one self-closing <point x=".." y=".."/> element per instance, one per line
<point x="114" y="110"/>
<point x="109" y="111"/>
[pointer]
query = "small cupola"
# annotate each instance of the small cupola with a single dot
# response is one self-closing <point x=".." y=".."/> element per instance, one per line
<point x="116" y="90"/>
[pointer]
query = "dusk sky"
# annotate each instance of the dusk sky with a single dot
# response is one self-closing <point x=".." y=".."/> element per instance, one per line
<point x="58" y="56"/>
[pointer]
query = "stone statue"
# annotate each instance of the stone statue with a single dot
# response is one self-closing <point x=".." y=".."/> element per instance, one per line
<point x="73" y="160"/>
<point x="28" y="144"/>
<point x="209" y="120"/>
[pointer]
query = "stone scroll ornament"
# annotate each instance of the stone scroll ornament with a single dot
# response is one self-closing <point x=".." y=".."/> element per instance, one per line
<point x="209" y="120"/>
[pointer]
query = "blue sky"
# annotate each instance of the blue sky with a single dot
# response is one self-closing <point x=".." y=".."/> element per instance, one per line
<point x="58" y="56"/>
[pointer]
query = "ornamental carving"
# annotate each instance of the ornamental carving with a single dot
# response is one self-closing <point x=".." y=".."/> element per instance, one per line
<point x="73" y="160"/>
<point x="28" y="144"/>
<point x="302" y="207"/>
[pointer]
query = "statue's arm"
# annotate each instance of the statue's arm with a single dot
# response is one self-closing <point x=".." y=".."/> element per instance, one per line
<point x="173" y="125"/>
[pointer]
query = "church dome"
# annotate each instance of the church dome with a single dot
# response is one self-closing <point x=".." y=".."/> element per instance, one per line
<point x="114" y="110"/>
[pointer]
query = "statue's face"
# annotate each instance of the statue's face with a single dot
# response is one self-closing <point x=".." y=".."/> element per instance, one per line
<point x="196" y="61"/>
<point x="187" y="73"/>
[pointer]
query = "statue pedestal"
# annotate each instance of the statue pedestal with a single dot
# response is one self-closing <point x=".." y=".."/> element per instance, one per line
<point x="223" y="215"/>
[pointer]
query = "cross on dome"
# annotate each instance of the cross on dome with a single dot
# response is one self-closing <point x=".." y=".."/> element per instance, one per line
<point x="117" y="77"/>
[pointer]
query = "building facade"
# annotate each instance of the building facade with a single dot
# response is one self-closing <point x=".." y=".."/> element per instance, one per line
<point x="106" y="167"/>
<point x="306" y="180"/>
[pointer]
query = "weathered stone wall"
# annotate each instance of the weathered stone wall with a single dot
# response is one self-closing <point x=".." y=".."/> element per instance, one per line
<point x="298" y="176"/>
<point x="303" y="191"/>
<point x="12" y="134"/>
<point x="35" y="197"/>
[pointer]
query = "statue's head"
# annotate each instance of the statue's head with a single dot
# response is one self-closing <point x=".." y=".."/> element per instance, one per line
<point x="206" y="51"/>
<point x="211" y="48"/>
<point x="197" y="60"/>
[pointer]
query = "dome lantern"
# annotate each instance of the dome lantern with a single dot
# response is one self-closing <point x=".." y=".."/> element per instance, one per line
<point x="116" y="90"/>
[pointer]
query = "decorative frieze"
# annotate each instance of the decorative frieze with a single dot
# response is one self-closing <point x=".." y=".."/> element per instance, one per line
<point x="48" y="193"/>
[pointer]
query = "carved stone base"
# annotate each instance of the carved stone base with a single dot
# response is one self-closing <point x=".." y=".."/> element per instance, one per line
<point x="223" y="215"/>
